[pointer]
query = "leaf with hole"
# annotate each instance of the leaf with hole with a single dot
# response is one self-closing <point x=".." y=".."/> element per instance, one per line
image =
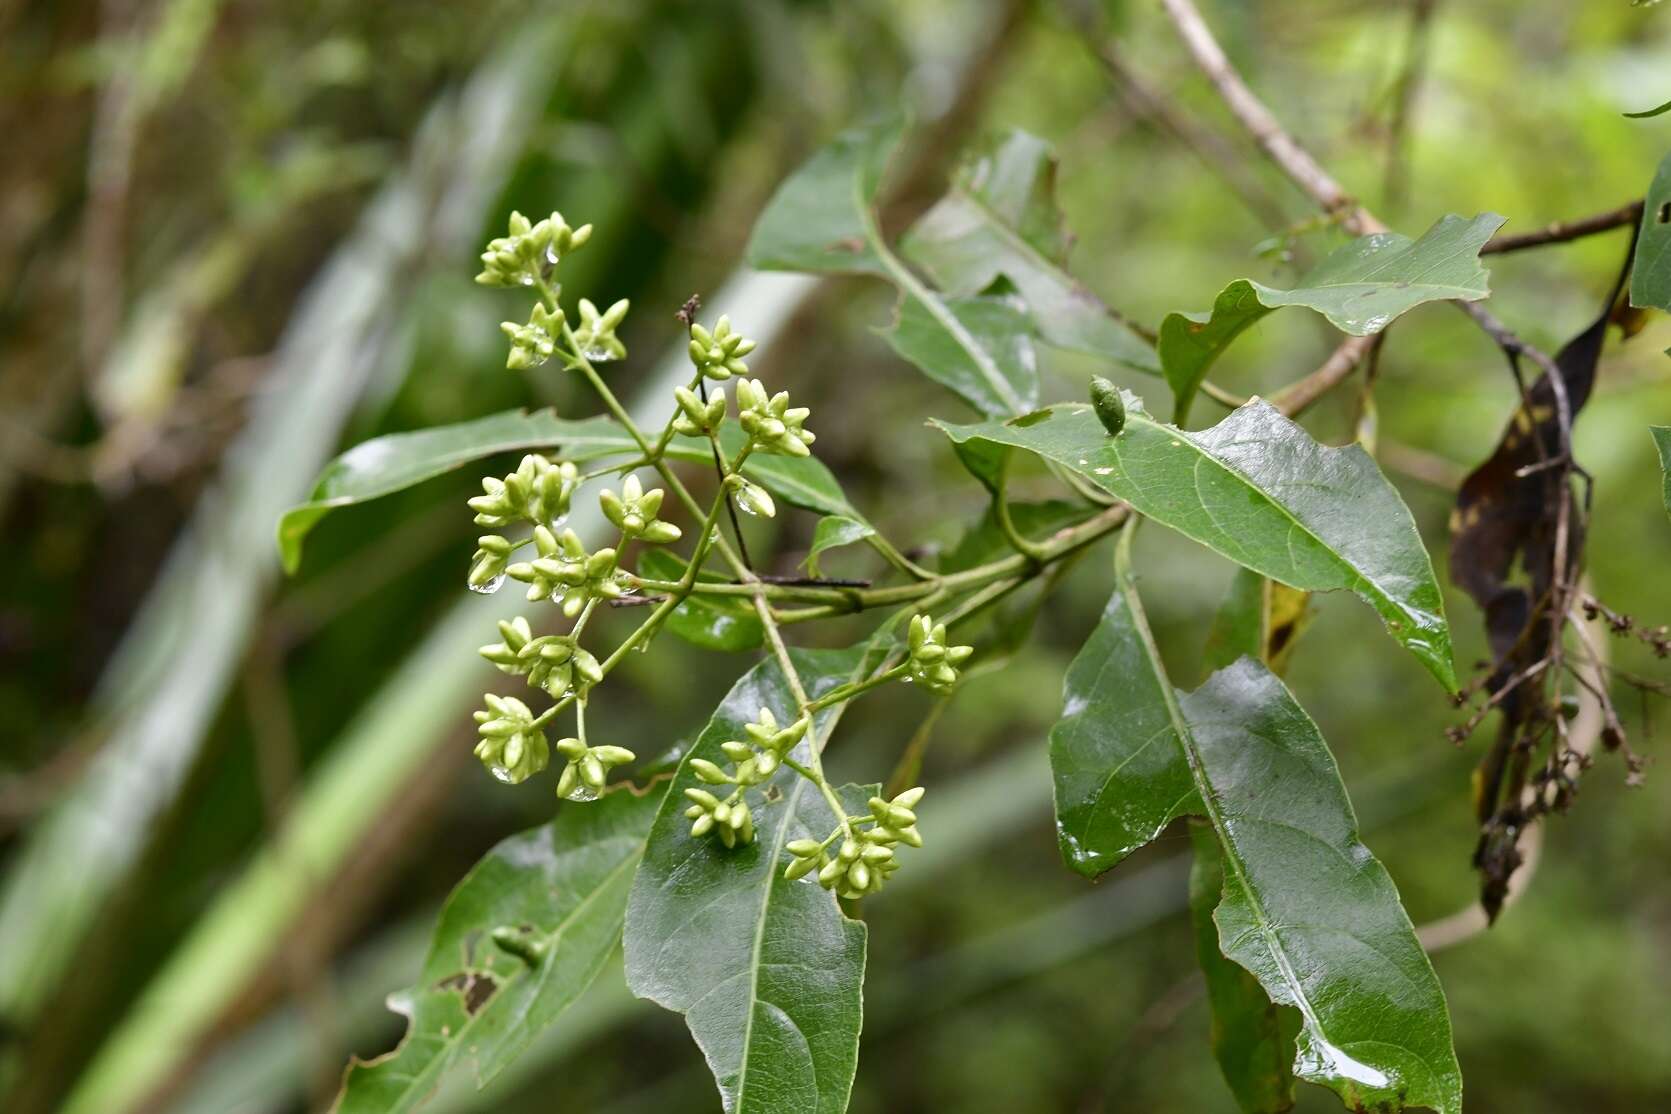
<point x="769" y="973"/>
<point x="1257" y="489"/>
<point x="1304" y="906"/>
<point x="1361" y="288"/>
<point x="521" y="937"/>
<point x="1650" y="277"/>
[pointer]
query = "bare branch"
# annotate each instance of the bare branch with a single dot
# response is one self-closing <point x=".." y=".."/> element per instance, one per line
<point x="1561" y="232"/>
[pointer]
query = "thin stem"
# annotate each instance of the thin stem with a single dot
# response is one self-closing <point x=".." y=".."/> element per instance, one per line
<point x="855" y="688"/>
<point x="1561" y="232"/>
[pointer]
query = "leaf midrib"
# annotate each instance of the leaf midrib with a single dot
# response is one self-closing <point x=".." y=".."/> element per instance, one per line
<point x="1204" y="790"/>
<point x="1334" y="555"/>
<point x="909" y="283"/>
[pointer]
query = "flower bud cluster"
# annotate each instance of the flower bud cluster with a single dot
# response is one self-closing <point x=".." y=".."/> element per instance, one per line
<point x="754" y="761"/>
<point x="538" y="492"/>
<point x="866" y="858"/>
<point x="519" y="258"/>
<point x="730" y="820"/>
<point x="565" y="572"/>
<point x="588" y="768"/>
<point x="534" y="343"/>
<point x="595" y="336"/>
<point x="697" y="418"/>
<point x="771" y="424"/>
<point x="719" y="354"/>
<point x="933" y="664"/>
<point x="511" y="747"/>
<point x="633" y="512"/>
<point x="556" y="663"/>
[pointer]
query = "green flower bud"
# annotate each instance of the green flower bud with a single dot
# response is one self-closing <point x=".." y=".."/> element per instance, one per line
<point x="488" y="564"/>
<point x="511" y="747"/>
<point x="538" y="492"/>
<point x="709" y="772"/>
<point x="564" y="572"/>
<point x="533" y="344"/>
<point x="697" y="418"/>
<point x="804" y="847"/>
<point x="596" y="333"/>
<point x="772" y="425"/>
<point x="933" y="663"/>
<point x="750" y="497"/>
<point x="633" y="512"/>
<point x="719" y="354"/>
<point x="588" y="768"/>
<point x="518" y="258"/>
<point x="800" y="868"/>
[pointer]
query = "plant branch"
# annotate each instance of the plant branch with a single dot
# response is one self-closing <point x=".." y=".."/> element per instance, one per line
<point x="1561" y="232"/>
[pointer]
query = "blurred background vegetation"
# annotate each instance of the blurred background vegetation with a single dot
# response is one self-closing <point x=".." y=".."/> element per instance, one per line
<point x="237" y="236"/>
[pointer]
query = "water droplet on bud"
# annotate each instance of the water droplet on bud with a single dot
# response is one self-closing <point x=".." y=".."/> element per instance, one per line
<point x="500" y="773"/>
<point x="581" y="793"/>
<point x="489" y="587"/>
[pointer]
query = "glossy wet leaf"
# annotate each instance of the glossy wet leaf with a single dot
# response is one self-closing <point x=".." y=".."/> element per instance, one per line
<point x="833" y="532"/>
<point x="822" y="220"/>
<point x="1662" y="441"/>
<point x="768" y="973"/>
<point x="1305" y="906"/>
<point x="1257" y="489"/>
<point x="1361" y="288"/>
<point x="999" y="220"/>
<point x="1650" y="278"/>
<point x="557" y="894"/>
<point x="1253" y="1037"/>
<point x="384" y="465"/>
<point x="712" y="622"/>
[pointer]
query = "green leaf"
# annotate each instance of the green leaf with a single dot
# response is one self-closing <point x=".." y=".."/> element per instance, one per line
<point x="558" y="894"/>
<point x="981" y="348"/>
<point x="833" y="532"/>
<point x="384" y="465"/>
<point x="820" y="219"/>
<point x="1305" y="906"/>
<point x="1361" y="288"/>
<point x="1650" y="276"/>
<point x="1650" y="112"/>
<point x="768" y="973"/>
<point x="1662" y="440"/>
<point x="1257" y="489"/>
<point x="712" y="622"/>
<point x="1259" y="618"/>
<point x="1253" y="1037"/>
<point x="1000" y="220"/>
